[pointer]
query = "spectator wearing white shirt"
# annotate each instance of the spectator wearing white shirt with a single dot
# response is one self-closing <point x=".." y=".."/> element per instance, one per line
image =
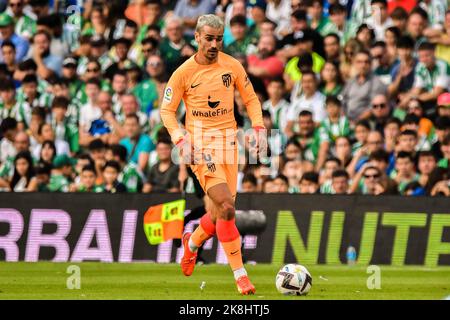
<point x="276" y="104"/>
<point x="379" y="20"/>
<point x="90" y="111"/>
<point x="311" y="99"/>
<point x="280" y="11"/>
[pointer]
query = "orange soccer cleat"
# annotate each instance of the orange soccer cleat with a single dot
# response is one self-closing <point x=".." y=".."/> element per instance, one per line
<point x="245" y="287"/>
<point x="189" y="258"/>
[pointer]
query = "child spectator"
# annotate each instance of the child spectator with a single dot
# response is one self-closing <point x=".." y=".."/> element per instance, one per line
<point x="111" y="172"/>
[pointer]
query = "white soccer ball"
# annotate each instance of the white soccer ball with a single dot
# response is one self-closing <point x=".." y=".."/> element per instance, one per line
<point x="293" y="279"/>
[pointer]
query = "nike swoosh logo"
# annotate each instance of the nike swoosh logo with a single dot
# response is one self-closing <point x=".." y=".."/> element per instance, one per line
<point x="192" y="86"/>
<point x="234" y="252"/>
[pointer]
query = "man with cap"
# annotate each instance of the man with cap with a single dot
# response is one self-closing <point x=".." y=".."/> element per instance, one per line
<point x="61" y="173"/>
<point x="69" y="74"/>
<point x="7" y="33"/>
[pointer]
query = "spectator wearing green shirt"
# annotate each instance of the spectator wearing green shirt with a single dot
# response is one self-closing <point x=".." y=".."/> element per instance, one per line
<point x="43" y="172"/>
<point x="25" y="26"/>
<point x="445" y="148"/>
<point x="336" y="123"/>
<point x="147" y="91"/>
<point x="61" y="174"/>
<point x="243" y="36"/>
<point x="332" y="48"/>
<point x="432" y="77"/>
<point x="130" y="175"/>
<point x="405" y="171"/>
<point x="317" y="18"/>
<point x="21" y="144"/>
<point x="313" y="140"/>
<point x="87" y="183"/>
<point x="173" y="43"/>
<point x="10" y="107"/>
<point x="381" y="62"/>
<point x="331" y="83"/>
<point x="64" y="129"/>
<point x="338" y="23"/>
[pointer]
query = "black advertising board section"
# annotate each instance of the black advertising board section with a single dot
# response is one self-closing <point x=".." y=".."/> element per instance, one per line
<point x="307" y="229"/>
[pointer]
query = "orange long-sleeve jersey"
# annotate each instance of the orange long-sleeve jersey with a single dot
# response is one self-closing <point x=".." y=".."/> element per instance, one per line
<point x="208" y="94"/>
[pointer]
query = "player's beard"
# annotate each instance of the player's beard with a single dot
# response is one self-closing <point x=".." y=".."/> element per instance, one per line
<point x="212" y="54"/>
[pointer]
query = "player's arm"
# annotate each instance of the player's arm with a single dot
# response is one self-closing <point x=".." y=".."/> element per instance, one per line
<point x="249" y="97"/>
<point x="172" y="97"/>
<point x="253" y="107"/>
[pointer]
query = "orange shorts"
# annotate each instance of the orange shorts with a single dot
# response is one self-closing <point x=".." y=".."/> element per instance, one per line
<point x="212" y="171"/>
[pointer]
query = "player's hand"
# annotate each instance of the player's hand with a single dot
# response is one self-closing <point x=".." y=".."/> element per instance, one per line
<point x="186" y="149"/>
<point x="260" y="142"/>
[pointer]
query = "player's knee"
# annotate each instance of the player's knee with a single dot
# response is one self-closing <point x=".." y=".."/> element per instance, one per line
<point x="227" y="211"/>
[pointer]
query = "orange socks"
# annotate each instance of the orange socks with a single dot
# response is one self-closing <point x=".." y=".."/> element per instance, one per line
<point x="204" y="231"/>
<point x="229" y="237"/>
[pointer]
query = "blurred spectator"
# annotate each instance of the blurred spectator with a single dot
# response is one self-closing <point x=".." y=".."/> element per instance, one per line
<point x="313" y="140"/>
<point x="331" y="83"/>
<point x="339" y="182"/>
<point x="335" y="123"/>
<point x="309" y="183"/>
<point x="445" y="148"/>
<point x="242" y="36"/>
<point x="24" y="178"/>
<point x="61" y="174"/>
<point x="380" y="112"/>
<point x="249" y="183"/>
<point x="360" y="90"/>
<point x="111" y="171"/>
<point x="432" y="77"/>
<point x="265" y="64"/>
<point x="8" y="52"/>
<point x="8" y="34"/>
<point x="163" y="176"/>
<point x="88" y="181"/>
<point x="311" y="100"/>
<point x="47" y="63"/>
<point x="190" y="10"/>
<point x="138" y="145"/>
<point x="277" y="105"/>
<point x="130" y="175"/>
<point x="426" y="163"/>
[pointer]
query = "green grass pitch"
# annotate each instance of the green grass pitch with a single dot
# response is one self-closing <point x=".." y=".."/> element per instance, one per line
<point x="45" y="280"/>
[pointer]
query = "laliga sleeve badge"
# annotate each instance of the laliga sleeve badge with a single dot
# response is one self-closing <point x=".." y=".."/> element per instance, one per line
<point x="168" y="94"/>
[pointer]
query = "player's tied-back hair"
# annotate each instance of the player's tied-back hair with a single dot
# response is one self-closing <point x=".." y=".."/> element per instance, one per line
<point x="209" y="20"/>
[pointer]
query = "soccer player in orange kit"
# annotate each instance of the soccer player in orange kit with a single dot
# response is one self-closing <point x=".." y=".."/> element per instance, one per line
<point x="206" y="83"/>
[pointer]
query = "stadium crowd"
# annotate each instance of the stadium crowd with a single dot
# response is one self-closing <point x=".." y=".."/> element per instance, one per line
<point x="356" y="92"/>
